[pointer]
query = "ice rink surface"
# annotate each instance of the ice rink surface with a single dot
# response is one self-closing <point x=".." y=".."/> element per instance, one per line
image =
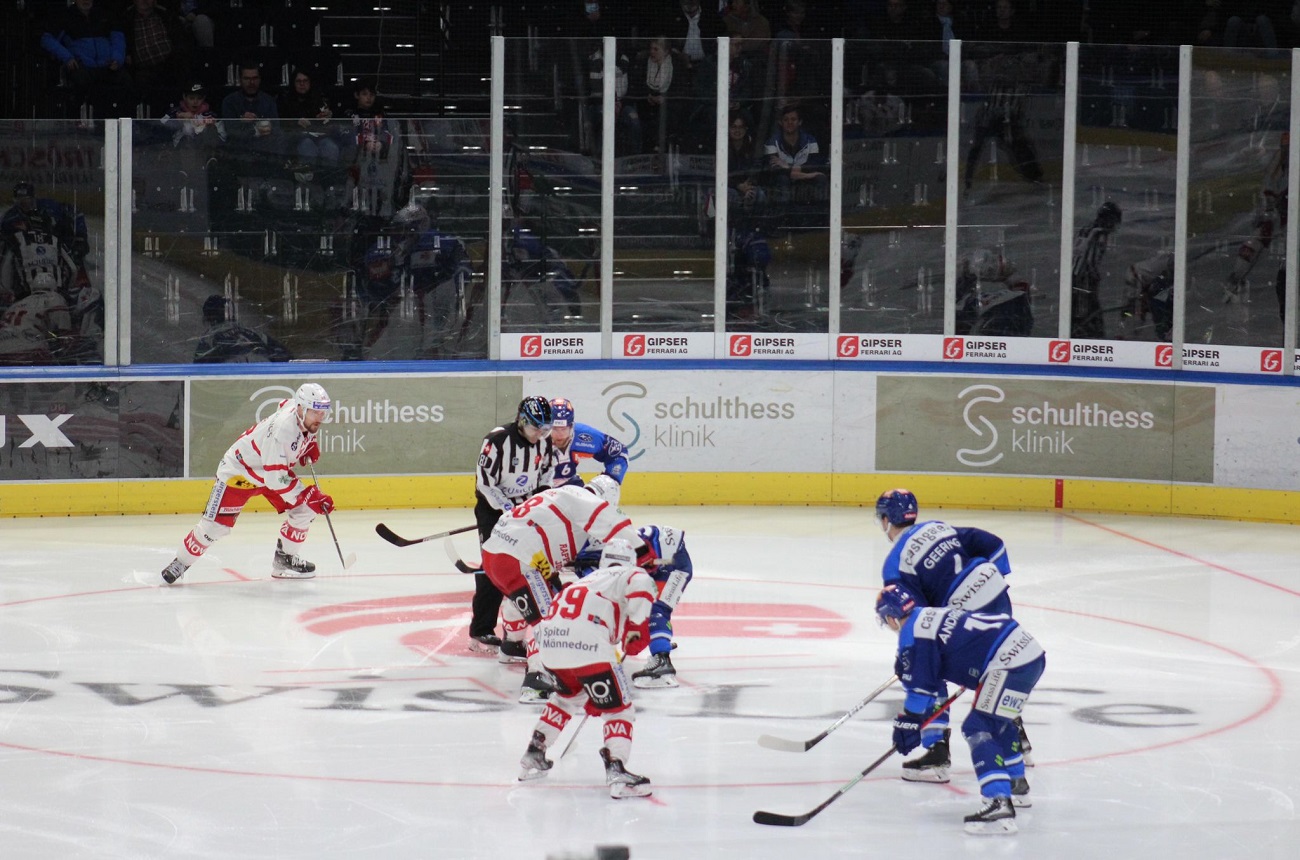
<point x="237" y="716"/>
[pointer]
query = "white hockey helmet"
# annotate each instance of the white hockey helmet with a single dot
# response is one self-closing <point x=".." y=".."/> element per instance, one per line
<point x="312" y="396"/>
<point x="44" y="282"/>
<point x="605" y="488"/>
<point x="618" y="553"/>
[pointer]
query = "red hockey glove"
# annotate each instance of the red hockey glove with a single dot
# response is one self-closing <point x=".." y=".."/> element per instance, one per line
<point x="636" y="639"/>
<point x="310" y="454"/>
<point x="646" y="558"/>
<point x="318" y="501"/>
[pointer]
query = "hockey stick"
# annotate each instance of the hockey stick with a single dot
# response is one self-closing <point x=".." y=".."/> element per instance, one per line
<point x="775" y="743"/>
<point x="455" y="559"/>
<point x="779" y="820"/>
<point x="397" y="540"/>
<point x="352" y="556"/>
<point x="573" y="737"/>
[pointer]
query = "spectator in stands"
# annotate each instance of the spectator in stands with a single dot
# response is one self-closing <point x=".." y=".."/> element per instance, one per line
<point x="191" y="121"/>
<point x="743" y="168"/>
<point x="794" y="159"/>
<point x="692" y="35"/>
<point x="902" y="62"/>
<point x="308" y="122"/>
<point x="91" y="50"/>
<point x="196" y="18"/>
<point x="744" y="21"/>
<point x="154" y="52"/>
<point x="1248" y="25"/>
<point x="372" y="132"/>
<point x="1005" y="25"/>
<point x="650" y="85"/>
<point x="252" y="114"/>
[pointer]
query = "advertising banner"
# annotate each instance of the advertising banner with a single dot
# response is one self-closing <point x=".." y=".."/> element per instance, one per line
<point x="719" y="421"/>
<point x="384" y="425"/>
<point x="79" y="430"/>
<point x="1049" y="427"/>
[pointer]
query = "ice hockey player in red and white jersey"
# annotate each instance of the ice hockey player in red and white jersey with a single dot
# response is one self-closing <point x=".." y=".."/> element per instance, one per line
<point x="34" y="327"/>
<point x="261" y="462"/>
<point x="528" y="546"/>
<point x="578" y="641"/>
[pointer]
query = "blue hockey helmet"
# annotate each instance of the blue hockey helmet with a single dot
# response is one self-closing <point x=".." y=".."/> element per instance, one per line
<point x="535" y="411"/>
<point x="562" y="412"/>
<point x="895" y="601"/>
<point x="898" y="506"/>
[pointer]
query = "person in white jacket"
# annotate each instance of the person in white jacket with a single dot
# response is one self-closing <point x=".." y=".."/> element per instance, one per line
<point x="261" y="462"/>
<point x="579" y="642"/>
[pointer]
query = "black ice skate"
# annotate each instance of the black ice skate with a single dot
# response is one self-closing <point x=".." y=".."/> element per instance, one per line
<point x="996" y="817"/>
<point x="933" y="766"/>
<point x="622" y="782"/>
<point x="1025" y="746"/>
<point x="488" y="643"/>
<point x="287" y="566"/>
<point x="174" y="571"/>
<point x="1020" y="793"/>
<point x="535" y="764"/>
<point x="512" y="652"/>
<point x="537" y="688"/>
<point x="658" y="672"/>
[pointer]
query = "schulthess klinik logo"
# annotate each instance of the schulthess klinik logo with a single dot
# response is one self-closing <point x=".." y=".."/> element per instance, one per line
<point x="634" y="345"/>
<point x="530" y="346"/>
<point x="1164" y="355"/>
<point x="980" y="425"/>
<point x="954" y="347"/>
<point x="1270" y="361"/>
<point x="741" y="345"/>
<point x="1058" y="352"/>
<point x="622" y="396"/>
<point x="847" y="346"/>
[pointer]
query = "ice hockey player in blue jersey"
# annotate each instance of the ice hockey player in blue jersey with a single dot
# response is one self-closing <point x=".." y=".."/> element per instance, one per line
<point x="986" y="652"/>
<point x="943" y="565"/>
<point x="669" y="565"/>
<point x="575" y="442"/>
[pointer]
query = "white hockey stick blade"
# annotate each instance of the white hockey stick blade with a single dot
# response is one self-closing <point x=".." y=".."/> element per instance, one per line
<point x="349" y="561"/>
<point x="774" y="743"/>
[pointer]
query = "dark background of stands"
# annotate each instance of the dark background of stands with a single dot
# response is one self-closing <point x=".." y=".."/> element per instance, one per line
<point x="431" y="58"/>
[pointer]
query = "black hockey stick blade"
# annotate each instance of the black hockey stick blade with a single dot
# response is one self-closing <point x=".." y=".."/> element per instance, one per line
<point x="456" y="560"/>
<point x="397" y="540"/>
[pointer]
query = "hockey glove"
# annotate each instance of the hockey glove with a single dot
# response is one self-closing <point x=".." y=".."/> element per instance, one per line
<point x="318" y="501"/>
<point x="310" y="454"/>
<point x="636" y="639"/>
<point x="907" y="731"/>
<point x="646" y="558"/>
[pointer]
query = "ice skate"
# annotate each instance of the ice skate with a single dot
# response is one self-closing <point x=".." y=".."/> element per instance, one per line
<point x="287" y="566"/>
<point x="658" y="672"/>
<point x="1025" y="746"/>
<point x="174" y="571"/>
<point x="512" y="652"/>
<point x="996" y="817"/>
<point x="933" y="766"/>
<point x="535" y="764"/>
<point x="488" y="643"/>
<point x="1020" y="798"/>
<point x="537" y="688"/>
<point x="622" y="782"/>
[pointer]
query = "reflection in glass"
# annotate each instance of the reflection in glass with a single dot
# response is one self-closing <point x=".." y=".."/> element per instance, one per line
<point x="1237" y="184"/>
<point x="51" y="246"/>
<point x="1008" y="231"/>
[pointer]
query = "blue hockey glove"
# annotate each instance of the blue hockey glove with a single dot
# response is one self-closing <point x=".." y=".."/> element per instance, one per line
<point x="907" y="731"/>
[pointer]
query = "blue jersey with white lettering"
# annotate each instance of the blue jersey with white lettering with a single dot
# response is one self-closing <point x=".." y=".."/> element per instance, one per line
<point x="947" y="565"/>
<point x="937" y="645"/>
<point x="593" y="444"/>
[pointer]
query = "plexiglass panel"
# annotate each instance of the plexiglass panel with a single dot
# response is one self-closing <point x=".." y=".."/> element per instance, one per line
<point x="1236" y="243"/>
<point x="664" y="168"/>
<point x="52" y="243"/>
<point x="550" y="278"/>
<point x="246" y="247"/>
<point x="894" y="192"/>
<point x="1008" y="241"/>
<point x="779" y="186"/>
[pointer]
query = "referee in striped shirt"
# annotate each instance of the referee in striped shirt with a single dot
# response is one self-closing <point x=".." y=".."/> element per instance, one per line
<point x="515" y="463"/>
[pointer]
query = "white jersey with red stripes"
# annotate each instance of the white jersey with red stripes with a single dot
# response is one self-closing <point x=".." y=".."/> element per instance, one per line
<point x="589" y="618"/>
<point x="266" y="454"/>
<point x="547" y="530"/>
